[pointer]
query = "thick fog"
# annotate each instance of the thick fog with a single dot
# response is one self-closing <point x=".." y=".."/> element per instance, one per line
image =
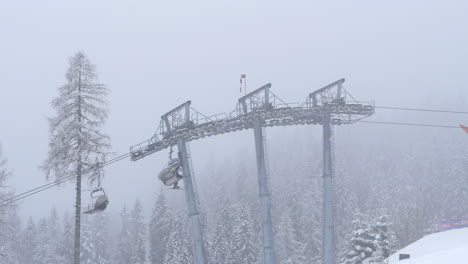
<point x="154" y="55"/>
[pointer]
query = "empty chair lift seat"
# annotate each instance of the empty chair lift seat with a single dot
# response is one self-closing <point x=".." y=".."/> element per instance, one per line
<point x="98" y="202"/>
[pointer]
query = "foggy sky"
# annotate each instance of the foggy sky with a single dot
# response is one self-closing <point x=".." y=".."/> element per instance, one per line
<point x="154" y="55"/>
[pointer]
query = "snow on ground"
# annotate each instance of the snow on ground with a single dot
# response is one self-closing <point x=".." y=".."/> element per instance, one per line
<point x="449" y="247"/>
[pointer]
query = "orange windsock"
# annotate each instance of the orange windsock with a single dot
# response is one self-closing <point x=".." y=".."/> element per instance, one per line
<point x="464" y="128"/>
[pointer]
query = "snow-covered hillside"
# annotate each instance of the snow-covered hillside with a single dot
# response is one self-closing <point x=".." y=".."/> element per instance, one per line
<point x="449" y="247"/>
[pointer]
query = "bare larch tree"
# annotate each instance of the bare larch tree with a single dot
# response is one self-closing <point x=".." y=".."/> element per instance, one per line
<point x="76" y="141"/>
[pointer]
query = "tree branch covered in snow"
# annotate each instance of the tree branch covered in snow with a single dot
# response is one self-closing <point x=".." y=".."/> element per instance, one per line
<point x="75" y="132"/>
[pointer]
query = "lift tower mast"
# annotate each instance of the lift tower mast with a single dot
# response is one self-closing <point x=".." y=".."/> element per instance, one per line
<point x="199" y="253"/>
<point x="180" y="118"/>
<point x="330" y="101"/>
<point x="174" y="126"/>
<point x="255" y="101"/>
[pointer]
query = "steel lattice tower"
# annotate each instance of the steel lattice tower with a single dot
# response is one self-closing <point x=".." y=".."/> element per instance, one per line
<point x="258" y="110"/>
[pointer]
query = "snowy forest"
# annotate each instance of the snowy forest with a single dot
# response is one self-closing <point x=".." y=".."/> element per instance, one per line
<point x="99" y="98"/>
<point x="391" y="213"/>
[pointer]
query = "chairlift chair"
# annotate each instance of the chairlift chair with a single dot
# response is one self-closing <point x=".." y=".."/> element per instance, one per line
<point x="171" y="173"/>
<point x="98" y="201"/>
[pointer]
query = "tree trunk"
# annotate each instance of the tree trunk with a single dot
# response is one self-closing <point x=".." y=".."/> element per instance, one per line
<point x="78" y="216"/>
<point x="78" y="184"/>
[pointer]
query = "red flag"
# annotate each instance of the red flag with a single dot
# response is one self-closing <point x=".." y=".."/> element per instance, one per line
<point x="241" y="81"/>
<point x="464" y="128"/>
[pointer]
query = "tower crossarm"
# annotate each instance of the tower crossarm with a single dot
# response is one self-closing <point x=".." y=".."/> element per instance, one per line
<point x="188" y="124"/>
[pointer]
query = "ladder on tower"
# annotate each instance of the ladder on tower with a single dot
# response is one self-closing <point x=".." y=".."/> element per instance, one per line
<point x="267" y="162"/>
<point x="203" y="216"/>
<point x="332" y="138"/>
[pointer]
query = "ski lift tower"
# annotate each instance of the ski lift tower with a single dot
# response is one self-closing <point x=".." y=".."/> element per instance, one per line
<point x="258" y="102"/>
<point x="334" y="109"/>
<point x="179" y="119"/>
<point x="173" y="129"/>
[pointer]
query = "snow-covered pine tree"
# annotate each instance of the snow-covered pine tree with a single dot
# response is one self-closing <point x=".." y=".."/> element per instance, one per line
<point x="178" y="249"/>
<point x="5" y="193"/>
<point x="87" y="247"/>
<point x="65" y="248"/>
<point x="299" y="206"/>
<point x="245" y="181"/>
<point x="138" y="231"/>
<point x="244" y="249"/>
<point x="10" y="224"/>
<point x="384" y="238"/>
<point x="34" y="244"/>
<point x="361" y="242"/>
<point x="221" y="240"/>
<point x="28" y="242"/>
<point x="125" y="246"/>
<point x="45" y="252"/>
<point x="53" y="228"/>
<point x="288" y="248"/>
<point x="40" y="252"/>
<point x="306" y="193"/>
<point x="11" y="244"/>
<point x="305" y="221"/>
<point x="94" y="240"/>
<point x="346" y="204"/>
<point x="101" y="237"/>
<point x="371" y="241"/>
<point x="159" y="229"/>
<point x="5" y="213"/>
<point x="76" y="139"/>
<point x="456" y="181"/>
<point x="410" y="206"/>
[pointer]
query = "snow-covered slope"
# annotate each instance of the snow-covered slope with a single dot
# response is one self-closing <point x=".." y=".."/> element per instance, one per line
<point x="449" y="247"/>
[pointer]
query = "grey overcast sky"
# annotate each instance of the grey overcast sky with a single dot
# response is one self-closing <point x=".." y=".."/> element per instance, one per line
<point x="154" y="55"/>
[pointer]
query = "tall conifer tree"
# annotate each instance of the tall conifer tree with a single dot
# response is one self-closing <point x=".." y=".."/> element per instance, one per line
<point x="125" y="246"/>
<point x="76" y="140"/>
<point x="159" y="229"/>
<point x="138" y="231"/>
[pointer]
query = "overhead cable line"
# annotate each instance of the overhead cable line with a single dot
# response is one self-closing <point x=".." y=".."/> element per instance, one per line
<point x="58" y="182"/>
<point x="408" y="124"/>
<point x="109" y="162"/>
<point x="422" y="110"/>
